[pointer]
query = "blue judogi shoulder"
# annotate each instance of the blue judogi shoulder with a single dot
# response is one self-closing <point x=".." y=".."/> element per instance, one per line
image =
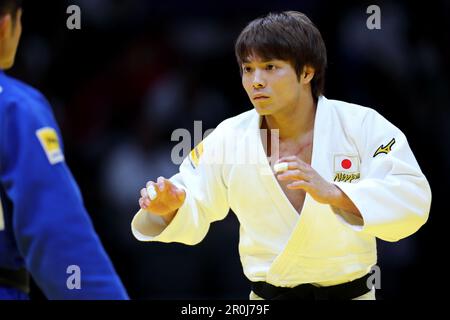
<point x="44" y="225"/>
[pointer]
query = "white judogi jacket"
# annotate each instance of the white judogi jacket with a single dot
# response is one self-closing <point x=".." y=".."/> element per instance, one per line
<point x="353" y="147"/>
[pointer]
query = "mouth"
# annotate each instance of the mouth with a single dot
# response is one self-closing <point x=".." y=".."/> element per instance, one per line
<point x="260" y="97"/>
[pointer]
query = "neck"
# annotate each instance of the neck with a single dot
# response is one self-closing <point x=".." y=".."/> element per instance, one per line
<point x="295" y="121"/>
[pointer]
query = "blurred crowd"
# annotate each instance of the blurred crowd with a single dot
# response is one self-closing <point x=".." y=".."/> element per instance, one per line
<point x="137" y="70"/>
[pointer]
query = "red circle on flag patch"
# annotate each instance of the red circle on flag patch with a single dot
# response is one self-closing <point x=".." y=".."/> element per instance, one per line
<point x="346" y="164"/>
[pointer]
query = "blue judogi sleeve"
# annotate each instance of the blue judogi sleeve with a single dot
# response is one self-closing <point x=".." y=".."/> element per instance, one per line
<point x="51" y="226"/>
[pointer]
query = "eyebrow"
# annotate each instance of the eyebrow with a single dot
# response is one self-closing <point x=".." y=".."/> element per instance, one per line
<point x="263" y="61"/>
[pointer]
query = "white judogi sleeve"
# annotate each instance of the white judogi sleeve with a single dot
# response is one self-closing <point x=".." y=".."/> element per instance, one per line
<point x="393" y="195"/>
<point x="206" y="200"/>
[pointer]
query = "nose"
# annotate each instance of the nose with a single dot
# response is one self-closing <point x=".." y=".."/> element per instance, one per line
<point x="258" y="81"/>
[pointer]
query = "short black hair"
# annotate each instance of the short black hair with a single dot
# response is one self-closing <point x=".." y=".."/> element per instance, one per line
<point x="289" y="36"/>
<point x="10" y="6"/>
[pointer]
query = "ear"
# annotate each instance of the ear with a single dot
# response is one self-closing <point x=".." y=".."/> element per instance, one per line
<point x="5" y="25"/>
<point x="307" y="74"/>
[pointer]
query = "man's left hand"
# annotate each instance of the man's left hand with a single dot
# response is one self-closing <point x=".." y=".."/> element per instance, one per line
<point x="304" y="177"/>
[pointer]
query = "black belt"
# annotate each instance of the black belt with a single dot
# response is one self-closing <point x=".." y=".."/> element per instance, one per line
<point x="18" y="279"/>
<point x="307" y="291"/>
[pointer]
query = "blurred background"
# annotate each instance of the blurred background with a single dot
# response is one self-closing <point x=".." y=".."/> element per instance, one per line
<point x="138" y="69"/>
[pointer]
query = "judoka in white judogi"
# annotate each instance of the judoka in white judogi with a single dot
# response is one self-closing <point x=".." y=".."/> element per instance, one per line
<point x="356" y="148"/>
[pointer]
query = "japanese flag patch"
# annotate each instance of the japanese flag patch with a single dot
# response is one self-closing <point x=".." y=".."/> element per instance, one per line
<point x="346" y="168"/>
<point x="348" y="164"/>
<point x="50" y="143"/>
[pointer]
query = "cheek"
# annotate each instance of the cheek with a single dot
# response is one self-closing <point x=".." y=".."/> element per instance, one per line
<point x="246" y="84"/>
<point x="286" y="90"/>
<point x="19" y="33"/>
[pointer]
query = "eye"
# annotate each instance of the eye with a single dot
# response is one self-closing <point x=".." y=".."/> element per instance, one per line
<point x="246" y="69"/>
<point x="270" y="67"/>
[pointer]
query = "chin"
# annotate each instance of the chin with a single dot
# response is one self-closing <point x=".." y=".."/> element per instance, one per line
<point x="262" y="112"/>
<point x="263" y="109"/>
<point x="6" y="64"/>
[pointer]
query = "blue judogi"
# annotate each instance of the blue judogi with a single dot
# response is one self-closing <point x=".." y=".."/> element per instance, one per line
<point x="44" y="226"/>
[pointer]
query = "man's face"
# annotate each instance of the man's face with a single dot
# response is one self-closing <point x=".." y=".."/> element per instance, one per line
<point x="9" y="38"/>
<point x="272" y="86"/>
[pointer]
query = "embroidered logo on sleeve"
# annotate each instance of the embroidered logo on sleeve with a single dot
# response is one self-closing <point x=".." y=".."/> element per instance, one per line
<point x="346" y="168"/>
<point x="195" y="155"/>
<point x="49" y="141"/>
<point x="384" y="149"/>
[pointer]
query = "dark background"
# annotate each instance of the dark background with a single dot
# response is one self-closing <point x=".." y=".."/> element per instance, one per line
<point x="137" y="70"/>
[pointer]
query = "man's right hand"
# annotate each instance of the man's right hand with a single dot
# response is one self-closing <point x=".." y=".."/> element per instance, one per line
<point x="169" y="198"/>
